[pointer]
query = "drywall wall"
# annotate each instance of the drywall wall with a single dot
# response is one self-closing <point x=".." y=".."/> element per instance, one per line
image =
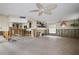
<point x="15" y="19"/>
<point x="68" y="25"/>
<point x="4" y="22"/>
<point x="33" y="23"/>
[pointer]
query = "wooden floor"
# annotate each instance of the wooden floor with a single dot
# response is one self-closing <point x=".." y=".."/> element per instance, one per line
<point x="47" y="45"/>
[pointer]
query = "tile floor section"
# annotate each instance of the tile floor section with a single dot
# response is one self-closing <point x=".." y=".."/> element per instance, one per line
<point x="47" y="45"/>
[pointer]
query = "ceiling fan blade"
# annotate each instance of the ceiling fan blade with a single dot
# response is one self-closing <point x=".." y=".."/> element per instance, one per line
<point x="48" y="12"/>
<point x="40" y="6"/>
<point x="51" y="7"/>
<point x="34" y="10"/>
<point x="40" y="13"/>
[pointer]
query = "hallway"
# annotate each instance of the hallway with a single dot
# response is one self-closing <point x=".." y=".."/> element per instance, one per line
<point x="47" y="45"/>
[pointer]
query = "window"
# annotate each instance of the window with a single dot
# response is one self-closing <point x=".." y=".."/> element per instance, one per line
<point x="52" y="29"/>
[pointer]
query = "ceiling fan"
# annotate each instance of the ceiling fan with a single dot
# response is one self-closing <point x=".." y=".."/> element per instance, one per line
<point x="44" y="10"/>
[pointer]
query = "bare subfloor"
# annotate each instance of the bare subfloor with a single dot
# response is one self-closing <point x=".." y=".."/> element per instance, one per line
<point x="47" y="45"/>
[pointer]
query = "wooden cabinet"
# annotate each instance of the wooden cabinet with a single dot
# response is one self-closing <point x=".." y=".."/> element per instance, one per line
<point x="6" y="35"/>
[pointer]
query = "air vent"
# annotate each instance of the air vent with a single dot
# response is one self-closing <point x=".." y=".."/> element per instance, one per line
<point x="22" y="17"/>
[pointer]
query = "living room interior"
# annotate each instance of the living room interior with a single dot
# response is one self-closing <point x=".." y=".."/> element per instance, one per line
<point x="39" y="28"/>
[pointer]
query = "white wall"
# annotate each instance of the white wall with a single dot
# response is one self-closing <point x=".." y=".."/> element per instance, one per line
<point x="17" y="19"/>
<point x="33" y="23"/>
<point x="4" y="22"/>
<point x="68" y="23"/>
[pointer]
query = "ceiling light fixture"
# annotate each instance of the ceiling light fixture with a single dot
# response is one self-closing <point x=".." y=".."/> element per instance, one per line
<point x="63" y="24"/>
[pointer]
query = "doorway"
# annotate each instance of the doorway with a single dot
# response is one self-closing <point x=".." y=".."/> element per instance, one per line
<point x="52" y="29"/>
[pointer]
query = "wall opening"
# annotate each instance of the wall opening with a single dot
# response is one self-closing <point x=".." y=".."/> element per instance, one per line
<point x="52" y="29"/>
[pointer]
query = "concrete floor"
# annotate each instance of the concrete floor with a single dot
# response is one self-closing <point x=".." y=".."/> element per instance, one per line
<point x="47" y="45"/>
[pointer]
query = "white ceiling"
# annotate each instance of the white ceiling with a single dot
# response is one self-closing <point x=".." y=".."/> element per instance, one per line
<point x="62" y="11"/>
